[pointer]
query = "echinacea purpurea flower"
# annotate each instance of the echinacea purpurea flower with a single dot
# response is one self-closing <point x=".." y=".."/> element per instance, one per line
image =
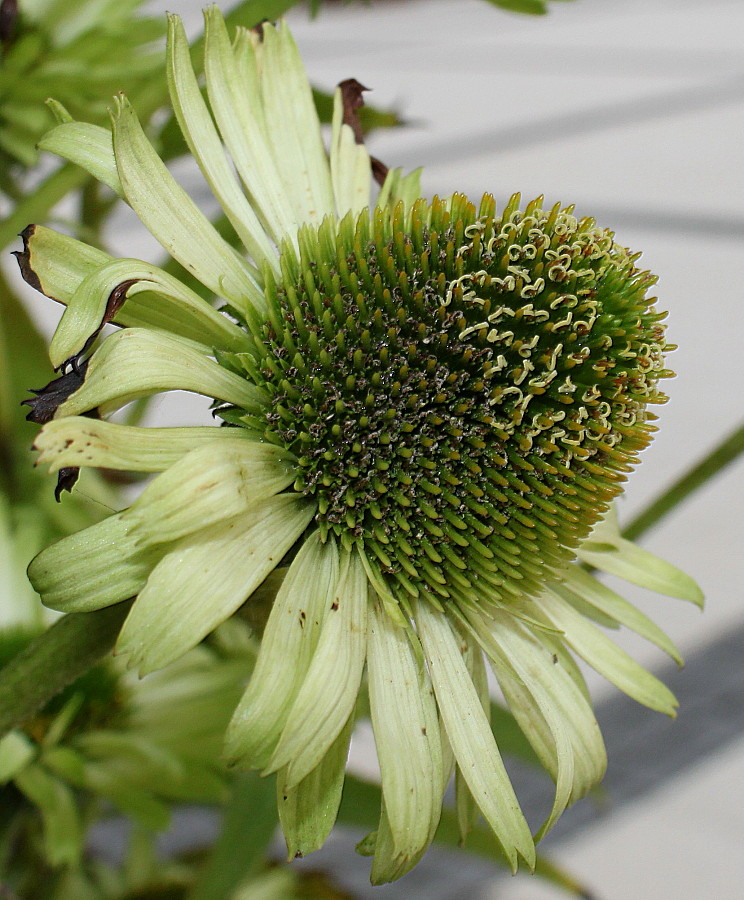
<point x="428" y="406"/>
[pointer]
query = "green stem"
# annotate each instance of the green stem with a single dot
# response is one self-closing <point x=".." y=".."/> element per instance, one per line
<point x="725" y="453"/>
<point x="55" y="659"/>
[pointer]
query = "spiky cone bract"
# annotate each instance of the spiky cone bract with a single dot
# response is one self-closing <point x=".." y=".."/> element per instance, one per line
<point x="427" y="407"/>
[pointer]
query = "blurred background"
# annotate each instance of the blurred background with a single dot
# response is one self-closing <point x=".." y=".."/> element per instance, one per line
<point x="634" y="111"/>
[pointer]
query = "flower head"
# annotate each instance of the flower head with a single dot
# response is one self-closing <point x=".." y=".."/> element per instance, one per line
<point x="427" y="408"/>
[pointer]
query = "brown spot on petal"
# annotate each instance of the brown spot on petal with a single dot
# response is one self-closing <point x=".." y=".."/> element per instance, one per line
<point x="379" y="170"/>
<point x="46" y="403"/>
<point x="24" y="260"/>
<point x="351" y="97"/>
<point x="66" y="479"/>
<point x="116" y="300"/>
<point x="49" y="398"/>
<point x="114" y="303"/>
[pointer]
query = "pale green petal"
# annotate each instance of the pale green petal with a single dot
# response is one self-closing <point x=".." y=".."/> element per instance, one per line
<point x="406" y="729"/>
<point x="60" y="262"/>
<point x="470" y="735"/>
<point x="293" y="127"/>
<point x="550" y="708"/>
<point x="607" y="550"/>
<point x="223" y="479"/>
<point x="387" y="865"/>
<point x="580" y="583"/>
<point x="307" y="812"/>
<point x="206" y="147"/>
<point x="205" y="578"/>
<point x="287" y="648"/>
<point x="602" y="654"/>
<point x="465" y="805"/>
<point x="235" y="97"/>
<point x="95" y="567"/>
<point x="186" y="312"/>
<point x="137" y="363"/>
<point x="329" y="691"/>
<point x="631" y="562"/>
<point x="82" y="441"/>
<point x="173" y="218"/>
<point x="350" y="165"/>
<point x="88" y="146"/>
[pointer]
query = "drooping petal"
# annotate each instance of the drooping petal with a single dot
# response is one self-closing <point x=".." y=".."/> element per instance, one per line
<point x="406" y="729"/>
<point x="205" y="578"/>
<point x="186" y="313"/>
<point x="329" y="691"/>
<point x="58" y="265"/>
<point x="607" y="550"/>
<point x="55" y="263"/>
<point x="234" y="93"/>
<point x="551" y="710"/>
<point x="387" y="865"/>
<point x="287" y="648"/>
<point x="602" y="654"/>
<point x="465" y="805"/>
<point x="206" y="147"/>
<point x="579" y="583"/>
<point x="471" y="738"/>
<point x="632" y="563"/>
<point x="93" y="568"/>
<point x="307" y="812"/>
<point x="173" y="218"/>
<point x="82" y="441"/>
<point x="88" y="146"/>
<point x="218" y="481"/>
<point x="137" y="363"/>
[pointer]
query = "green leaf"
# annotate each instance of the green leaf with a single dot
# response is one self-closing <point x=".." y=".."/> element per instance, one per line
<point x="240" y="850"/>
<point x="528" y="7"/>
<point x="55" y="659"/>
